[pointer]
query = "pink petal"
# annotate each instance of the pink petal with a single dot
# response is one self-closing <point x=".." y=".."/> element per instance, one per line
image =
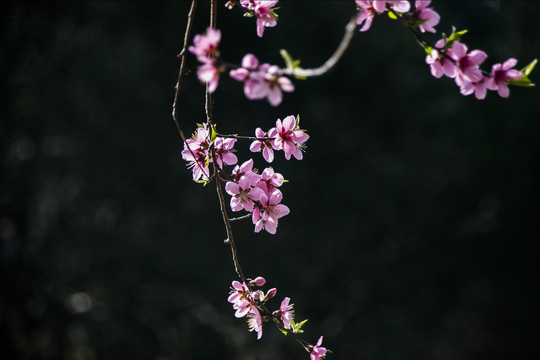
<point x="275" y="96"/>
<point x="289" y="123"/>
<point x="232" y="188"/>
<point x="508" y="64"/>
<point x="249" y="61"/>
<point x="268" y="154"/>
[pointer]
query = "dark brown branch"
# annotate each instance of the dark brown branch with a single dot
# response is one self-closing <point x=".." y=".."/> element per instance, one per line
<point x="182" y="57"/>
<point x="219" y="180"/>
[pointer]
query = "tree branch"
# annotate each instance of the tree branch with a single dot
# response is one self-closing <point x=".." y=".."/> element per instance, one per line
<point x="332" y="61"/>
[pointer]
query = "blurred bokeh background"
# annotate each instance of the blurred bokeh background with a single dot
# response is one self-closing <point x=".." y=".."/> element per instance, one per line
<point x="413" y="231"/>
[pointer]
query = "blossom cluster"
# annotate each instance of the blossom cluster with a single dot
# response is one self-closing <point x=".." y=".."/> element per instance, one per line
<point x="250" y="191"/>
<point x="449" y="56"/>
<point x="452" y="59"/>
<point x="260" y="80"/>
<point x="259" y="193"/>
<point x="250" y="303"/>
<point x="198" y="155"/>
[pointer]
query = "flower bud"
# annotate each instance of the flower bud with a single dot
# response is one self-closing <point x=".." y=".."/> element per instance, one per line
<point x="270" y="294"/>
<point x="258" y="281"/>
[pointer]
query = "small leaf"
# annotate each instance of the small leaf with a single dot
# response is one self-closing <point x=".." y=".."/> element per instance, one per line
<point x="392" y="15"/>
<point x="204" y="182"/>
<point x="456" y="35"/>
<point x="524" y="81"/>
<point x="213" y="135"/>
<point x="291" y="64"/>
<point x="529" y="68"/>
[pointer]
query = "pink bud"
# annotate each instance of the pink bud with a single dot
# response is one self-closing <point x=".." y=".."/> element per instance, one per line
<point x="258" y="281"/>
<point x="270" y="294"/>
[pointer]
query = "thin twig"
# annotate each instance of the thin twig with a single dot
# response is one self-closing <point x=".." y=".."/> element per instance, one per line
<point x="182" y="56"/>
<point x="247" y="216"/>
<point x="332" y="61"/>
<point x="219" y="181"/>
<point x="241" y="137"/>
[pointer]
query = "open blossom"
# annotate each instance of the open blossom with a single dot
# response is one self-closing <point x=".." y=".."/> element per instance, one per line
<point x="439" y="64"/>
<point x="290" y="138"/>
<point x="479" y="88"/>
<point x="196" y="153"/>
<point x="468" y="63"/>
<point x="401" y="6"/>
<point x="266" y="217"/>
<point x="270" y="180"/>
<point x="241" y="299"/>
<point x="255" y="321"/>
<point x="245" y="171"/>
<point x="208" y="73"/>
<point x="266" y="146"/>
<point x="365" y="15"/>
<point x="205" y="46"/>
<point x="262" y="10"/>
<point x="243" y="194"/>
<point x="224" y="151"/>
<point x="429" y="17"/>
<point x="262" y="81"/>
<point x="286" y="312"/>
<point x="500" y="73"/>
<point x="318" y="352"/>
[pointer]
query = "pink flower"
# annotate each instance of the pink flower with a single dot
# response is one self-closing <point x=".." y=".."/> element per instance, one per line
<point x="243" y="194"/>
<point x="468" y="63"/>
<point x="196" y="153"/>
<point x="267" y="82"/>
<point x="208" y="73"/>
<point x="479" y="88"/>
<point x="271" y="210"/>
<point x="290" y="138"/>
<point x="255" y="321"/>
<point x="439" y="64"/>
<point x="262" y="81"/>
<point x="286" y="312"/>
<point x="267" y="146"/>
<point x="430" y="17"/>
<point x="205" y="46"/>
<point x="317" y="352"/>
<point x="500" y="73"/>
<point x="263" y="12"/>
<point x="246" y="171"/>
<point x="270" y="180"/>
<point x="366" y="14"/>
<point x="224" y="151"/>
<point x="241" y="298"/>
<point x="399" y="6"/>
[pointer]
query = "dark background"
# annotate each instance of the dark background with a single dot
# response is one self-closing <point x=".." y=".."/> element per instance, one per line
<point x="413" y="231"/>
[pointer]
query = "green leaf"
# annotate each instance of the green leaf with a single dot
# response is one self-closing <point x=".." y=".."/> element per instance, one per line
<point x="529" y="68"/>
<point x="204" y="182"/>
<point x="456" y="35"/>
<point x="392" y="15"/>
<point x="213" y="135"/>
<point x="297" y="327"/>
<point x="524" y="81"/>
<point x="291" y="64"/>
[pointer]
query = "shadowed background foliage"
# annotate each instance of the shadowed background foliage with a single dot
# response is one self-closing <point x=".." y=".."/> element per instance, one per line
<point x="414" y="214"/>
